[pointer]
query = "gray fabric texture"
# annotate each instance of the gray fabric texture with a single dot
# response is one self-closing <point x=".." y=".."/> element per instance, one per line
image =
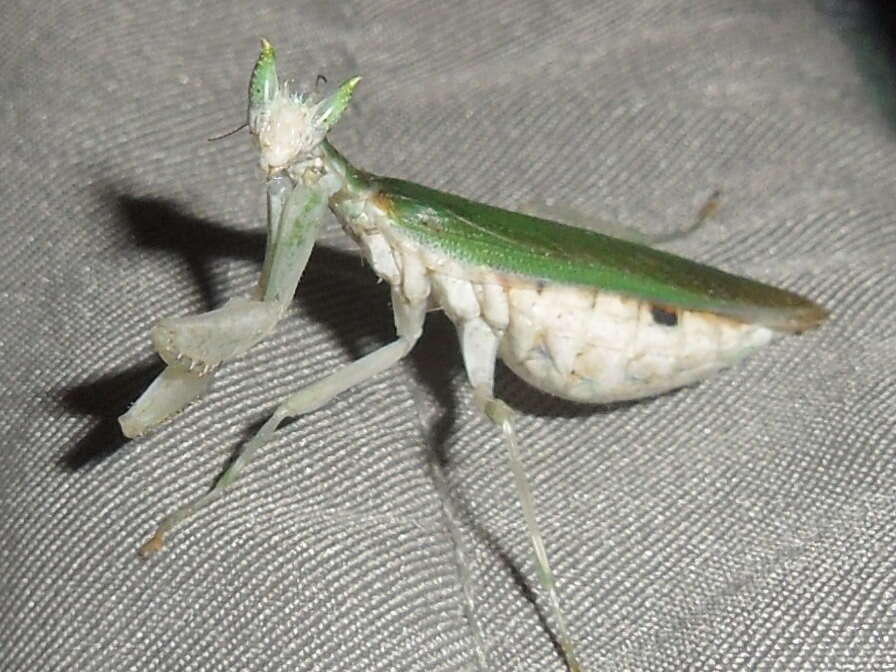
<point x="746" y="523"/>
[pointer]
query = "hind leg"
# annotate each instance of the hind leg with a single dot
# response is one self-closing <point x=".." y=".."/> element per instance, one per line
<point x="584" y="220"/>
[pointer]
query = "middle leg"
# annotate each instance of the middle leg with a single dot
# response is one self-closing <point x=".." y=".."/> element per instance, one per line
<point x="409" y="324"/>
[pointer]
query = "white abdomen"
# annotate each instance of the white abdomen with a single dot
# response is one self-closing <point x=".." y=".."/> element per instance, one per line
<point x="596" y="346"/>
<point x="579" y="343"/>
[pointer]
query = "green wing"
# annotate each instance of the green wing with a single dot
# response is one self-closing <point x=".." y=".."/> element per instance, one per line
<point x="523" y="245"/>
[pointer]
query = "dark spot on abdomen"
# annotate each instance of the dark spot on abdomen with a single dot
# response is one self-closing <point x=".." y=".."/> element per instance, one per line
<point x="665" y="316"/>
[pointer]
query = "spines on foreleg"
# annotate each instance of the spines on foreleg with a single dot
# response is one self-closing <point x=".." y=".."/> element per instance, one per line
<point x="202" y="342"/>
<point x="195" y="345"/>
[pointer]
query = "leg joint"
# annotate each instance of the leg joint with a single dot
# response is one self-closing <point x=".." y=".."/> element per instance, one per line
<point x="494" y="409"/>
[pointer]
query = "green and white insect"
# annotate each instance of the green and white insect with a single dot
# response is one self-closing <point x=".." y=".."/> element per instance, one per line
<point x="575" y="313"/>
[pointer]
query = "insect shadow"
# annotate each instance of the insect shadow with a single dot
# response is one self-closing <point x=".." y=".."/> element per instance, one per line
<point x="158" y="225"/>
<point x="151" y="225"/>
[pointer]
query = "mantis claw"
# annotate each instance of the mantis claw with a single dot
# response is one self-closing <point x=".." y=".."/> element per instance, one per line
<point x="193" y="347"/>
<point x="200" y="343"/>
<point x="169" y="394"/>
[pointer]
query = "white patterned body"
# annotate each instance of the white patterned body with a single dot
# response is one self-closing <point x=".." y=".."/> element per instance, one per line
<point x="578" y="343"/>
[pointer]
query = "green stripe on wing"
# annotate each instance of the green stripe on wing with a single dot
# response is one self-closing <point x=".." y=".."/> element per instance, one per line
<point x="523" y="245"/>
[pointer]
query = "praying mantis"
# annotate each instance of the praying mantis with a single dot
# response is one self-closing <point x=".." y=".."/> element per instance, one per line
<point x="575" y="313"/>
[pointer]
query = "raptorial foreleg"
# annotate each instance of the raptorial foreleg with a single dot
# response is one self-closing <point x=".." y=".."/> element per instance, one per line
<point x="194" y="346"/>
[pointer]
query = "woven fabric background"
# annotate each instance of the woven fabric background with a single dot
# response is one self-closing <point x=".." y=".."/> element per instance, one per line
<point x="747" y="523"/>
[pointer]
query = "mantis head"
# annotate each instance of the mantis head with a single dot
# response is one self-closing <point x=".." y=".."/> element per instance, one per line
<point x="289" y="125"/>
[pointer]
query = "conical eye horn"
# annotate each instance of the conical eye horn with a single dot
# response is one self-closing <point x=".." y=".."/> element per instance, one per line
<point x="262" y="87"/>
<point x="331" y="108"/>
